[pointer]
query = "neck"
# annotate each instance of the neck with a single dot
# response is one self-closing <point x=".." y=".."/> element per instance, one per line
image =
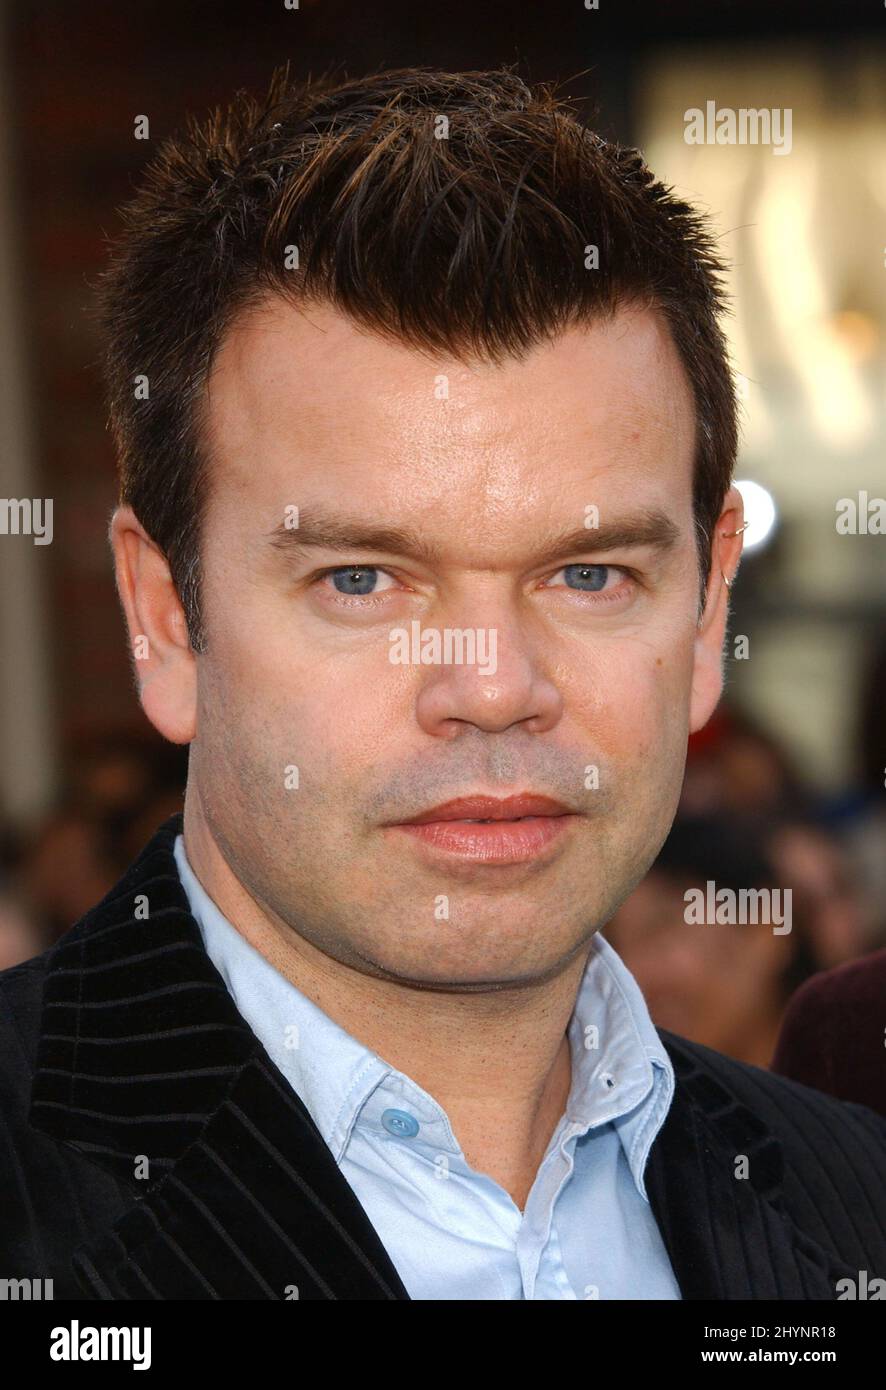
<point x="496" y="1059"/>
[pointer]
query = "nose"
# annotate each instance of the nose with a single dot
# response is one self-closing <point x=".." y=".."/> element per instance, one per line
<point x="502" y="686"/>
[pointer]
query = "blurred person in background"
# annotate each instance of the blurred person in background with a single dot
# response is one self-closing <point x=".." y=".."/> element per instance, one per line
<point x="734" y="766"/>
<point x="738" y="770"/>
<point x="866" y="829"/>
<point x="118" y="786"/>
<point x="724" y="985"/>
<point x="832" y="1036"/>
<point x="65" y="863"/>
<point x="832" y="1033"/>
<point x="815" y="861"/>
<point x="19" y="938"/>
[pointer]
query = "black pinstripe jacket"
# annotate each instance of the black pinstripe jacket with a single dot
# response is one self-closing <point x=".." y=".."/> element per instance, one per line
<point x="149" y="1148"/>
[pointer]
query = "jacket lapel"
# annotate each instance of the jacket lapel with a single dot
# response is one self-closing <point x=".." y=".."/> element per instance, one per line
<point x="728" y="1236"/>
<point x="146" y="1066"/>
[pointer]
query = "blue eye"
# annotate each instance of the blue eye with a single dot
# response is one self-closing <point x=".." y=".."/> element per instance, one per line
<point x="590" y="578"/>
<point x="355" y="580"/>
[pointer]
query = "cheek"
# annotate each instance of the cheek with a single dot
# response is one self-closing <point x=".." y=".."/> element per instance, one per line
<point x="634" y="700"/>
<point x="281" y="701"/>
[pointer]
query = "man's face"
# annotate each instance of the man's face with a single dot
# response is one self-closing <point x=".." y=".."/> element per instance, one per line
<point x="589" y="698"/>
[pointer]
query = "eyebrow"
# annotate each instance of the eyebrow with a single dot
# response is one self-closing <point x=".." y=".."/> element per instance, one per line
<point x="318" y="530"/>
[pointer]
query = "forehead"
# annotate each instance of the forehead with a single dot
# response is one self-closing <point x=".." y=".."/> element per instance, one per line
<point x="304" y="398"/>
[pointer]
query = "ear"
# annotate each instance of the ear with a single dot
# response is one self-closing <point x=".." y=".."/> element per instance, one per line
<point x="707" y="670"/>
<point x="164" y="664"/>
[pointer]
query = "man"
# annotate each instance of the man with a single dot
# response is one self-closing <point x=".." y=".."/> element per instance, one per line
<point x="426" y="431"/>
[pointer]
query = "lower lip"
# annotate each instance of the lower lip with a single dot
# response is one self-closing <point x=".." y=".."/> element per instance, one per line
<point x="498" y="842"/>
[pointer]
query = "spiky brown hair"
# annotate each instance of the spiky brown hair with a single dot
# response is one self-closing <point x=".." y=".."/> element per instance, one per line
<point x="467" y="234"/>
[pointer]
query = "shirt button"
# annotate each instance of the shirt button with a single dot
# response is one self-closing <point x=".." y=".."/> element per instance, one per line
<point x="401" y="1123"/>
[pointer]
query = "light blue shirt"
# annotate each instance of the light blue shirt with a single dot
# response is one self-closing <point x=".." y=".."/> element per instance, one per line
<point x="587" y="1230"/>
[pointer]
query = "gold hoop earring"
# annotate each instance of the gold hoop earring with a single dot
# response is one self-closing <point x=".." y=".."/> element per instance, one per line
<point x="729" y="534"/>
<point x="727" y="582"/>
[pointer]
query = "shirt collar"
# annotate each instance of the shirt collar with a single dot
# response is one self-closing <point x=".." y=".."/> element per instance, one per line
<point x="621" y="1071"/>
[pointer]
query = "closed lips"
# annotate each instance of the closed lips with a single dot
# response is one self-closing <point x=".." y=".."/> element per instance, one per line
<point x="483" y="810"/>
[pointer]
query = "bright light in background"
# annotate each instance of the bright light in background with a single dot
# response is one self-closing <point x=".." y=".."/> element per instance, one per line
<point x="760" y="512"/>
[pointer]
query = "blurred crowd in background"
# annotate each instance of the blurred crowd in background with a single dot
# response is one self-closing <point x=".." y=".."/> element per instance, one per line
<point x="747" y="819"/>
